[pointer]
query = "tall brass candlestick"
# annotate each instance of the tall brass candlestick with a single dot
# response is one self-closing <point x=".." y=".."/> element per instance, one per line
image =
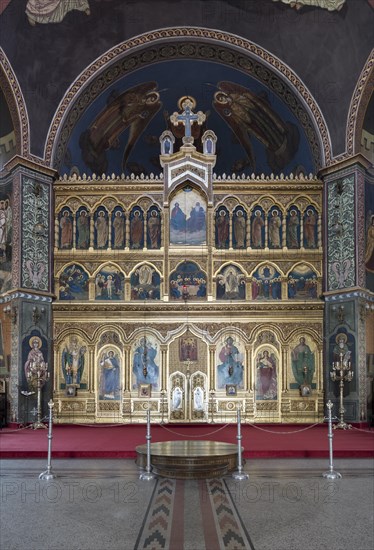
<point x="343" y="367"/>
<point x="38" y="375"/>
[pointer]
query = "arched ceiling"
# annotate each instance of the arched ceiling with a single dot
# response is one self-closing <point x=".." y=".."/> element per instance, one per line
<point x="111" y="122"/>
<point x="326" y="50"/>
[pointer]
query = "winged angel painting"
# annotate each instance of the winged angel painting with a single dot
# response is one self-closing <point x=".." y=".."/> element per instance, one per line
<point x="250" y="115"/>
<point x="110" y="139"/>
<point x="132" y="110"/>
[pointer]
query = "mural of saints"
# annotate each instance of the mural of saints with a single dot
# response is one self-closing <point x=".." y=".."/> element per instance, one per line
<point x="303" y="363"/>
<point x="109" y="376"/>
<point x="109" y="284"/>
<point x="66" y="229"/>
<point x="145" y="366"/>
<point x="136" y="229"/>
<point x="73" y="283"/>
<point x="154" y="229"/>
<point x="266" y="378"/>
<point x="101" y="227"/>
<point x="239" y="228"/>
<point x="302" y="283"/>
<point x="35" y="358"/>
<point x="257" y="228"/>
<point x="188" y="218"/>
<point x="275" y="229"/>
<point x="293" y="229"/>
<point x="229" y="364"/>
<point x="118" y="224"/>
<point x="222" y="228"/>
<point x="83" y="229"/>
<point x="230" y="284"/>
<point x="188" y="282"/>
<point x="145" y="283"/>
<point x="72" y="361"/>
<point x="266" y="284"/>
<point x="310" y="228"/>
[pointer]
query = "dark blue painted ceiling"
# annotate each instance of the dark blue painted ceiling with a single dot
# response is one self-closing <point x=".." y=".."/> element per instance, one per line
<point x="257" y="132"/>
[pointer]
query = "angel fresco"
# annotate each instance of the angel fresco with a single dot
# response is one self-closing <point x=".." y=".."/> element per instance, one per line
<point x="249" y="115"/>
<point x="133" y="110"/>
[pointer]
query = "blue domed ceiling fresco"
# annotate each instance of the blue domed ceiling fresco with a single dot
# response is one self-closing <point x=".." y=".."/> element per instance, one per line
<point x="118" y="132"/>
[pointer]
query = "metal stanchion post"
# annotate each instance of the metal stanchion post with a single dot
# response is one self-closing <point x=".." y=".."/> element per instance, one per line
<point x="331" y="474"/>
<point x="147" y="475"/>
<point x="48" y="474"/>
<point x="239" y="475"/>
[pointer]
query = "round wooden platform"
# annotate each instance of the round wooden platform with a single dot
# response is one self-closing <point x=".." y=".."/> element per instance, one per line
<point x="189" y="459"/>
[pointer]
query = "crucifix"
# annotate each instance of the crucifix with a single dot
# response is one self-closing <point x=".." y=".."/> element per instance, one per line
<point x="187" y="118"/>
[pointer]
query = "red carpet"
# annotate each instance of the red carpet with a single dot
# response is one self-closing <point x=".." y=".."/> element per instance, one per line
<point x="260" y="441"/>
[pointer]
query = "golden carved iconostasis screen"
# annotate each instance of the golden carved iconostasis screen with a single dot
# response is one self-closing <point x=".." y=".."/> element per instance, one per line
<point x="190" y="304"/>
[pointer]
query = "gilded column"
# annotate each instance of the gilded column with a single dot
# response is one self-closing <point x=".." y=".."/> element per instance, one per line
<point x="92" y="232"/>
<point x="248" y="381"/>
<point x="212" y="374"/>
<point x="92" y="371"/>
<point x="109" y="231"/>
<point x="163" y="381"/>
<point x="57" y="231"/>
<point x="248" y="232"/>
<point x="320" y="370"/>
<point x="145" y="225"/>
<point x="284" y="231"/>
<point x="285" y="369"/>
<point x="319" y="228"/>
<point x="74" y="232"/>
<point x="302" y="231"/>
<point x="230" y="231"/>
<point x="127" y="236"/>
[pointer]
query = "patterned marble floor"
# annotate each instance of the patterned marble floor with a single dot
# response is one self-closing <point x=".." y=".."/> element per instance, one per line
<point x="97" y="504"/>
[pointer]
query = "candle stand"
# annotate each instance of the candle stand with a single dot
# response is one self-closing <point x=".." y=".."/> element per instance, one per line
<point x="341" y="373"/>
<point x="37" y="376"/>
